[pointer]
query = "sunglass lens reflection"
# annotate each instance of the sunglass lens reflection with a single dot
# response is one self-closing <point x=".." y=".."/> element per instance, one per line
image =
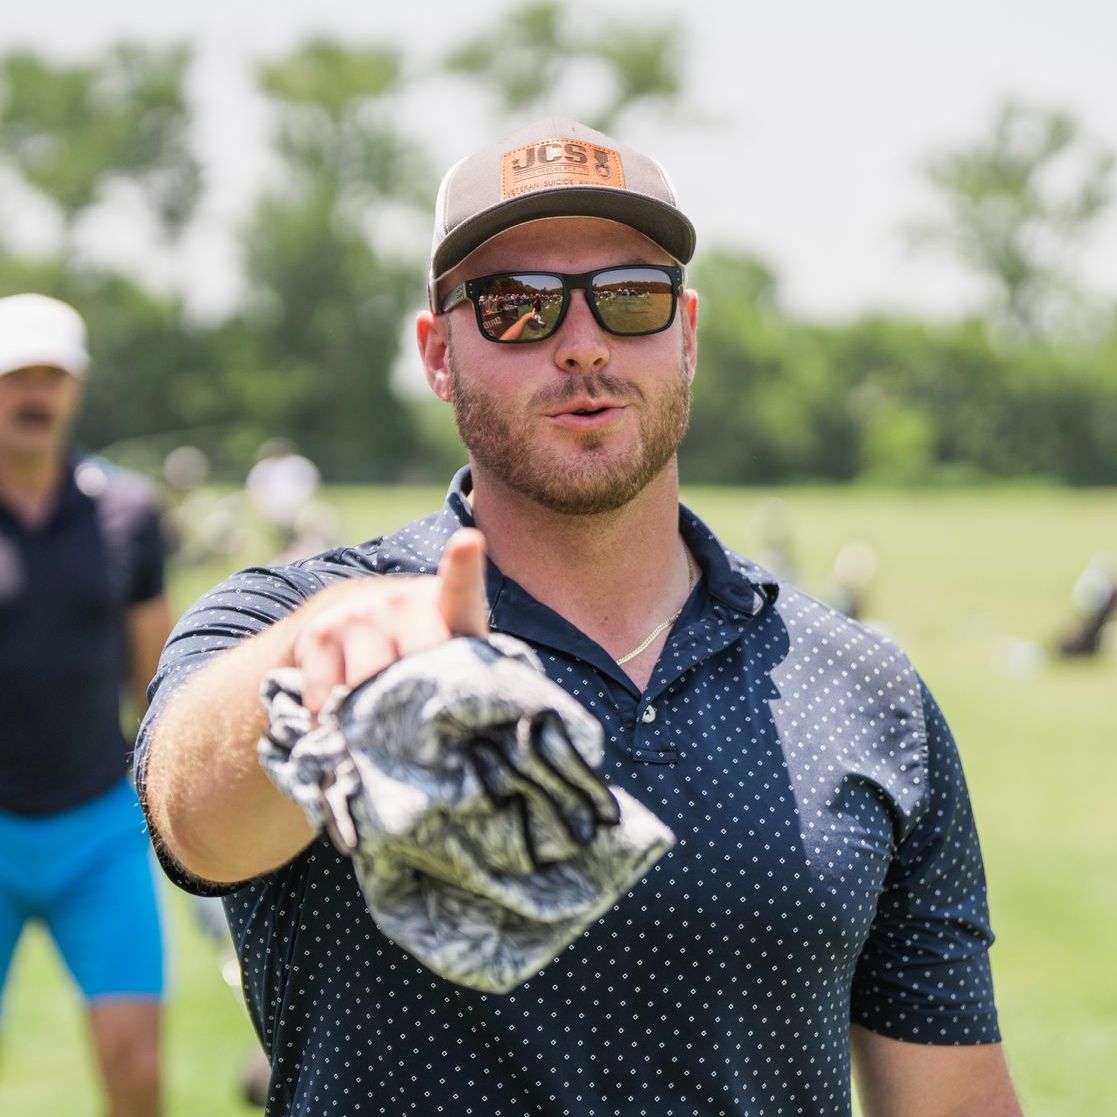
<point x="520" y="307"/>
<point x="633" y="300"/>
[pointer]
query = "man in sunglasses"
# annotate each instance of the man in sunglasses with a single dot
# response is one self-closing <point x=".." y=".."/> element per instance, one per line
<point x="826" y="892"/>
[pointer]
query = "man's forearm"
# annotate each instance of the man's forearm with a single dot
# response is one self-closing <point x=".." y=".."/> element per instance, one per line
<point x="212" y="805"/>
<point x="147" y="626"/>
<point x="897" y="1079"/>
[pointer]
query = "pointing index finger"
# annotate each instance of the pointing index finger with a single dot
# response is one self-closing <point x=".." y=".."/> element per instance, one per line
<point x="461" y="574"/>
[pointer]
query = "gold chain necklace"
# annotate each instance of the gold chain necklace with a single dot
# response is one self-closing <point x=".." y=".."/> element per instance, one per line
<point x="650" y="638"/>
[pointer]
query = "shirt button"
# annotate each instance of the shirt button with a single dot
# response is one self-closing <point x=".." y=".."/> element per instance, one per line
<point x="648" y="716"/>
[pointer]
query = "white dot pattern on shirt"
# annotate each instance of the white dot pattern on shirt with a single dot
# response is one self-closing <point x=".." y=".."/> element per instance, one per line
<point x="825" y="858"/>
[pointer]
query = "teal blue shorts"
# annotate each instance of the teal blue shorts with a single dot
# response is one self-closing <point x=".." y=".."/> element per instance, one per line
<point x="86" y="874"/>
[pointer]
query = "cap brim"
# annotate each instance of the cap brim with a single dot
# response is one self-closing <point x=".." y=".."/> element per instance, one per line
<point x="15" y="355"/>
<point x="659" y="222"/>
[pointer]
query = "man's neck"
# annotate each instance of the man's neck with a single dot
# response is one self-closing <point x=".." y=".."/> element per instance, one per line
<point x="613" y="575"/>
<point x="30" y="483"/>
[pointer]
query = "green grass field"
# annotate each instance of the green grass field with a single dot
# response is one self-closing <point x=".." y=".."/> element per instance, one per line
<point x="976" y="585"/>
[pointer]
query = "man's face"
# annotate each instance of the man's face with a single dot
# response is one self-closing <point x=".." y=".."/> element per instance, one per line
<point x="36" y="405"/>
<point x="583" y="421"/>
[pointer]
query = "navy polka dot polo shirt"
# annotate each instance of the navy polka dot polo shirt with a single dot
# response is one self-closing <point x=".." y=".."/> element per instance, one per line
<point x="827" y="871"/>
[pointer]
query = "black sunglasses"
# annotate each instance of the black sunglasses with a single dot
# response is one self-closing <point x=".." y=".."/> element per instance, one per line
<point x="630" y="301"/>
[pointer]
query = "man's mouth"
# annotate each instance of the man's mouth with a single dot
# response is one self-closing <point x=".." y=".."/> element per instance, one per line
<point x="585" y="415"/>
<point x="587" y="405"/>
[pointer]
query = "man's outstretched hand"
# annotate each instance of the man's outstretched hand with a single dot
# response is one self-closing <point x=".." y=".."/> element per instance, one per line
<point x="355" y="629"/>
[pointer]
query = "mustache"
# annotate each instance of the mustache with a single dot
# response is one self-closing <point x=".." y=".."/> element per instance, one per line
<point x="33" y="415"/>
<point x="596" y="386"/>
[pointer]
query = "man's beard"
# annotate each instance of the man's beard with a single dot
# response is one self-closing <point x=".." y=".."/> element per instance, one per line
<point x="588" y="476"/>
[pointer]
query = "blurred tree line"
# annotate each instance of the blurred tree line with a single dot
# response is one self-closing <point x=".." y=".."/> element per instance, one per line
<point x="1025" y="386"/>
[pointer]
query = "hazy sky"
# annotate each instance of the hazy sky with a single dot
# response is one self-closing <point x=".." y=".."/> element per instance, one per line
<point x="820" y="114"/>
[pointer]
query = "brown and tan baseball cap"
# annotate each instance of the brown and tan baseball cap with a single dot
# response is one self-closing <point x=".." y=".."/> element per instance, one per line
<point x="555" y="167"/>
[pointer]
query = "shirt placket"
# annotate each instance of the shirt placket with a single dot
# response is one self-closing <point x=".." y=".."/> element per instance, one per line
<point x="657" y="735"/>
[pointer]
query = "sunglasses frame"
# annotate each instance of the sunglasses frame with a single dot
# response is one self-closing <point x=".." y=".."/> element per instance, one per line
<point x="470" y="290"/>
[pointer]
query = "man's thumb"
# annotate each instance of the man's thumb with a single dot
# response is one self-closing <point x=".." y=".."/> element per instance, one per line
<point x="461" y="574"/>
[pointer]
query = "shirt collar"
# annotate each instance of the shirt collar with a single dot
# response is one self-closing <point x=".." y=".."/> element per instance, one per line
<point x="730" y="580"/>
<point x="67" y="498"/>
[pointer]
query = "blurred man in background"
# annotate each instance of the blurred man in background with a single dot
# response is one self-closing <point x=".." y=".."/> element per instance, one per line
<point x="82" y="618"/>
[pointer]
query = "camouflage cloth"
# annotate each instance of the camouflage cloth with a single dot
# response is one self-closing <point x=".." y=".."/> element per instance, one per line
<point x="464" y="784"/>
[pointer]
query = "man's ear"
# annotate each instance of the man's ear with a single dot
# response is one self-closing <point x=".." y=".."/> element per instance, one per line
<point x="432" y="332"/>
<point x="688" y="306"/>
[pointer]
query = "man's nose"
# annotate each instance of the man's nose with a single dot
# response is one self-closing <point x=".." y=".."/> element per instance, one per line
<point x="581" y="344"/>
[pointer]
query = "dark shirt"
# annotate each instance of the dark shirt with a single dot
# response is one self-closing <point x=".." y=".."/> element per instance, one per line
<point x="827" y="870"/>
<point x="65" y="589"/>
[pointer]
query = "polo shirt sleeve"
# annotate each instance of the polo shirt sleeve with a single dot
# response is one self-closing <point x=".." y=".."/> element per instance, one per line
<point x="148" y="557"/>
<point x="923" y="975"/>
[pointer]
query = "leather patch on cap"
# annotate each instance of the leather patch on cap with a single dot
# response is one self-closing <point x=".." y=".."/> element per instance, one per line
<point x="560" y="162"/>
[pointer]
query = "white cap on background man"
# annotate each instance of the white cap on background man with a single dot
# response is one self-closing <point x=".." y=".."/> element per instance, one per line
<point x="36" y="330"/>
